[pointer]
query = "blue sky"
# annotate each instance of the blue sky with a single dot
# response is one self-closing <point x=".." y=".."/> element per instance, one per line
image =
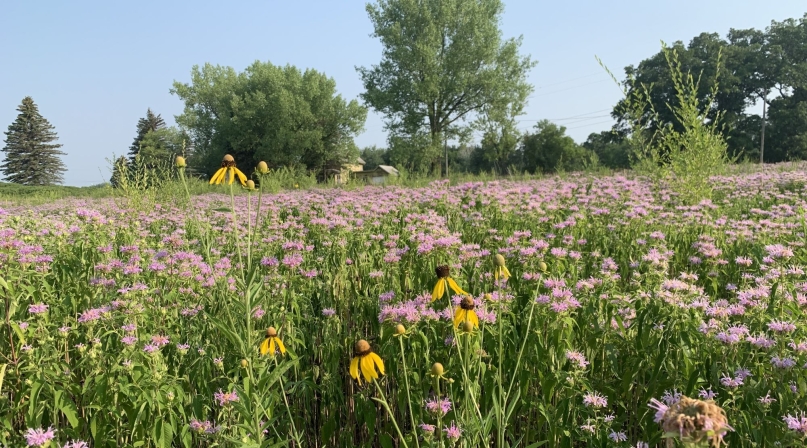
<point x="94" y="67"/>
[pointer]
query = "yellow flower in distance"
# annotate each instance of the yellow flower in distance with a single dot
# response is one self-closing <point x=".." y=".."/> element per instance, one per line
<point x="500" y="270"/>
<point x="465" y="313"/>
<point x="271" y="342"/>
<point x="228" y="171"/>
<point x="444" y="281"/>
<point x="367" y="361"/>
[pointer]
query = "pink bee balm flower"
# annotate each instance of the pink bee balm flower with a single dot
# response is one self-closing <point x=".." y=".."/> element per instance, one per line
<point x="39" y="437"/>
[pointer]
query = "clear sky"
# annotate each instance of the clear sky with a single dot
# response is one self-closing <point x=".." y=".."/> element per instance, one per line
<point x="94" y="67"/>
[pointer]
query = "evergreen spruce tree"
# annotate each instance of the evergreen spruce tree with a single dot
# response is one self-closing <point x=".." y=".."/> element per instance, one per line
<point x="31" y="156"/>
<point x="151" y="123"/>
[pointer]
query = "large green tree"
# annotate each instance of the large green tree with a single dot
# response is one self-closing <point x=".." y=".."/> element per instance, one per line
<point x="32" y="157"/>
<point x="548" y="149"/>
<point x="756" y="67"/>
<point x="444" y="64"/>
<point x="281" y="115"/>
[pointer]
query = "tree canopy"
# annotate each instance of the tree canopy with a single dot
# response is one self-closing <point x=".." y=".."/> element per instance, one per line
<point x="756" y="66"/>
<point x="32" y="157"/>
<point x="444" y="63"/>
<point x="280" y="115"/>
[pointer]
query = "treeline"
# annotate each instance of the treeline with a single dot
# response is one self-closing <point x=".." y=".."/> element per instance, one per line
<point x="754" y="67"/>
<point x="451" y="89"/>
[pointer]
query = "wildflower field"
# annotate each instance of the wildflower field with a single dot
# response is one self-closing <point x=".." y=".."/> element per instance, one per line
<point x="564" y="312"/>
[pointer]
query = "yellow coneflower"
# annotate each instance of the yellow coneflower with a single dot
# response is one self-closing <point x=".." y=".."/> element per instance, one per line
<point x="500" y="270"/>
<point x="268" y="345"/>
<point x="368" y="361"/>
<point x="444" y="281"/>
<point x="228" y="171"/>
<point x="465" y="313"/>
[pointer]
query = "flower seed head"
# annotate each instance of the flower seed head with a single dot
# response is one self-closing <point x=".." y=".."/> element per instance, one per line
<point x="467" y="326"/>
<point x="437" y="369"/>
<point x="442" y="271"/>
<point x="361" y="348"/>
<point x="228" y="161"/>
<point x="271" y="332"/>
<point x="263" y="168"/>
<point x="180" y="162"/>
<point x="467" y="303"/>
<point x="400" y="329"/>
<point x="498" y="260"/>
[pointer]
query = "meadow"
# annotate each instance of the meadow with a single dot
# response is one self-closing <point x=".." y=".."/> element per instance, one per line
<point x="568" y="311"/>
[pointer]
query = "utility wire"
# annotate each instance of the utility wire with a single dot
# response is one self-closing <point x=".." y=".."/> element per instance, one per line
<point x="590" y="124"/>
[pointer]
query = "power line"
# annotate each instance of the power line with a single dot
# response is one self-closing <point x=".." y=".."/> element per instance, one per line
<point x="566" y="89"/>
<point x="590" y="124"/>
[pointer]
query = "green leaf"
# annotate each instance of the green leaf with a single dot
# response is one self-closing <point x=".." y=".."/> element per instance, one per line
<point x="223" y="210"/>
<point x="266" y="382"/>
<point x="386" y="440"/>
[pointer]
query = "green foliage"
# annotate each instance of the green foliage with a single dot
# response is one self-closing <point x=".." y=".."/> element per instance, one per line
<point x="754" y="64"/>
<point x="31" y="156"/>
<point x="280" y="115"/>
<point x="443" y="63"/>
<point x="155" y="310"/>
<point x="148" y="124"/>
<point x="688" y="150"/>
<point x="549" y="150"/>
<point x="374" y="156"/>
<point x="612" y="150"/>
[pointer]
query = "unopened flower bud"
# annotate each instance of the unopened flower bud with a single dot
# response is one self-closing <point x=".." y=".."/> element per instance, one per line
<point x="467" y="326"/>
<point x="400" y="329"/>
<point x="263" y="168"/>
<point x="250" y="184"/>
<point x="488" y="297"/>
<point x="437" y="369"/>
<point x="542" y="266"/>
<point x="180" y="162"/>
<point x="244" y="363"/>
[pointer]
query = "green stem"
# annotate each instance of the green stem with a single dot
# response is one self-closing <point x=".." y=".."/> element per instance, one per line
<point x="523" y="344"/>
<point x="383" y="401"/>
<point x="408" y="398"/>
<point x="502" y="399"/>
<point x="288" y="409"/>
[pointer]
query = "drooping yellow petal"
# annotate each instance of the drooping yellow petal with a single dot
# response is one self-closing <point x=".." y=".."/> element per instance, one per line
<point x="379" y="363"/>
<point x="459" y="316"/>
<point x="265" y="346"/>
<point x="455" y="287"/>
<point x="280" y="346"/>
<point x="439" y="289"/>
<point x="367" y="369"/>
<point x="472" y="318"/>
<point x="218" y="177"/>
<point x="354" y="369"/>
<point x="241" y="177"/>
<point x="272" y="346"/>
<point x="506" y="272"/>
